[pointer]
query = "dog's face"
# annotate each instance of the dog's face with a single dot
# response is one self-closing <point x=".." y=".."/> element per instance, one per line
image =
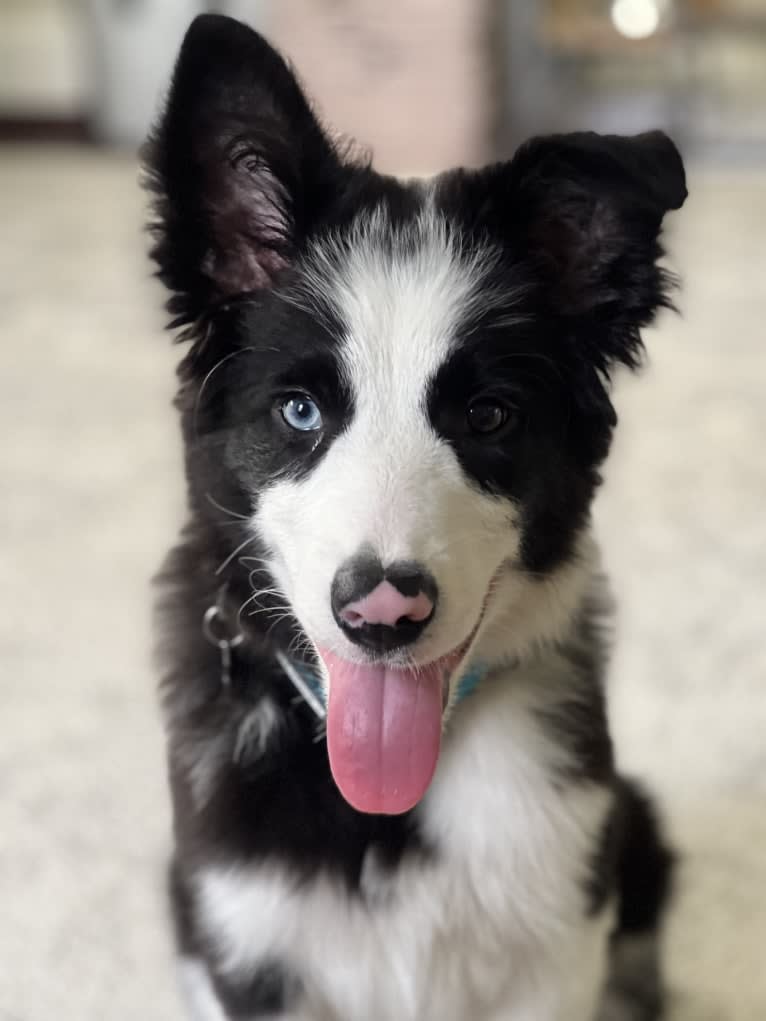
<point x="400" y="385"/>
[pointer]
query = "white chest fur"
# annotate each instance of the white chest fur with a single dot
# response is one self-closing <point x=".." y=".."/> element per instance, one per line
<point x="494" y="928"/>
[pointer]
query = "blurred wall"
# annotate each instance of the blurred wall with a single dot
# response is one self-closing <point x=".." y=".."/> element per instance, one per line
<point x="132" y="46"/>
<point x="41" y="58"/>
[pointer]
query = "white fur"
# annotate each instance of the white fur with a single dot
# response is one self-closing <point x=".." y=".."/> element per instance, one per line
<point x="202" y="760"/>
<point x="257" y="731"/>
<point x="495" y="927"/>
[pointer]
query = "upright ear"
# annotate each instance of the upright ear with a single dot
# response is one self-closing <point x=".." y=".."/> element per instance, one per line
<point x="238" y="165"/>
<point x="588" y="210"/>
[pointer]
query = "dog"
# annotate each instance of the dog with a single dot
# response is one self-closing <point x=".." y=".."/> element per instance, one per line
<point x="384" y="628"/>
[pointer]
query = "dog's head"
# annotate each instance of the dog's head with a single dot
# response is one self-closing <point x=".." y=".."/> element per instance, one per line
<point x="402" y="387"/>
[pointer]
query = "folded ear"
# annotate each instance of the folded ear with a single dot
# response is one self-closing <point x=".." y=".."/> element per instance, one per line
<point x="238" y="163"/>
<point x="588" y="209"/>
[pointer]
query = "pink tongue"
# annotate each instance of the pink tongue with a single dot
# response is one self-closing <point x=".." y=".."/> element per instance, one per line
<point x="383" y="732"/>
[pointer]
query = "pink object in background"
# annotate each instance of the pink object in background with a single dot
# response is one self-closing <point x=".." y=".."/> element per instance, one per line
<point x="407" y="77"/>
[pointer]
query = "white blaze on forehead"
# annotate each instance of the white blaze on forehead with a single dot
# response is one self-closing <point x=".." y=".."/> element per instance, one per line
<point x="401" y="292"/>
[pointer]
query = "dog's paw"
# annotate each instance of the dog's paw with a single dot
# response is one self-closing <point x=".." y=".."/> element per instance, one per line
<point x="634" y="990"/>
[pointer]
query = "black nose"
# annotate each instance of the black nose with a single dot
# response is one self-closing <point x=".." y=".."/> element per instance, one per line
<point x="379" y="608"/>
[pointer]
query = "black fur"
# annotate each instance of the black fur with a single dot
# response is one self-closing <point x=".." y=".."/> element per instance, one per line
<point x="634" y="860"/>
<point x="645" y="864"/>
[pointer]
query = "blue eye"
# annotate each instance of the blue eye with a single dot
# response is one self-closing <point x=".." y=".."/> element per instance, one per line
<point x="301" y="413"/>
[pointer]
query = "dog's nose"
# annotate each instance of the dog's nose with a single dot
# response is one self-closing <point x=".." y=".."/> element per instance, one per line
<point x="382" y="608"/>
<point x="386" y="605"/>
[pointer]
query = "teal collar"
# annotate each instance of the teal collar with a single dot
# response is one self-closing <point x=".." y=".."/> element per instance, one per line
<point x="306" y="682"/>
<point x="470" y="681"/>
<point x="308" y="685"/>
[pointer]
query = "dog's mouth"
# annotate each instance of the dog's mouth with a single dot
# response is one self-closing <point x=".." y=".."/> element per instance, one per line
<point x="384" y="726"/>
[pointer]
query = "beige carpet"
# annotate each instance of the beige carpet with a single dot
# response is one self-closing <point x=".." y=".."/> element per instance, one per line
<point x="90" y="498"/>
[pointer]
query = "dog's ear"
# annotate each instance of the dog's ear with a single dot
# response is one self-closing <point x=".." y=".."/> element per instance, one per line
<point x="238" y="165"/>
<point x="587" y="210"/>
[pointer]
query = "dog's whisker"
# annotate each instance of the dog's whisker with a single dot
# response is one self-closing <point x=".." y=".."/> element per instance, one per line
<point x="225" y="510"/>
<point x="278" y="620"/>
<point x="259" y="560"/>
<point x="285" y="610"/>
<point x="253" y="599"/>
<point x="222" y="567"/>
<point x="275" y="594"/>
<point x="266" y="590"/>
<point x="299" y="644"/>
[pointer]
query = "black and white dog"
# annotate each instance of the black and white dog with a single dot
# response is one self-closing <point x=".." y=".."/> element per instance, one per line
<point x="394" y="788"/>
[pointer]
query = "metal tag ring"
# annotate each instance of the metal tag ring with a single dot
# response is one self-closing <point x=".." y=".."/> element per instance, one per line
<point x="213" y="628"/>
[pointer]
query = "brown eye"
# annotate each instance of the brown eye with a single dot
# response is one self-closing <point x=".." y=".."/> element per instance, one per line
<point x="487" y="416"/>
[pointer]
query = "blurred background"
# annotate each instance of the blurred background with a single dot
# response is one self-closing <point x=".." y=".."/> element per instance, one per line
<point x="91" y="475"/>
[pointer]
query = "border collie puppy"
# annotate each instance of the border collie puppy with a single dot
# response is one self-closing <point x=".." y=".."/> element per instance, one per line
<point x="394" y="790"/>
